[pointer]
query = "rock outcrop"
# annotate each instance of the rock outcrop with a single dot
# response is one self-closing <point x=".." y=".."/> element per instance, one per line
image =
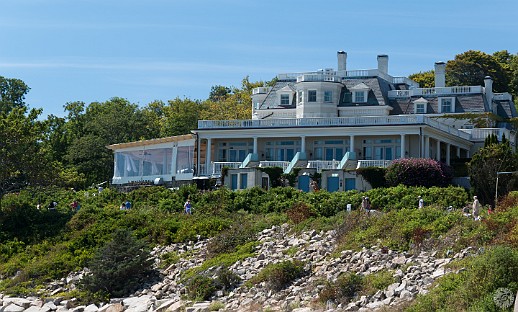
<point x="413" y="274"/>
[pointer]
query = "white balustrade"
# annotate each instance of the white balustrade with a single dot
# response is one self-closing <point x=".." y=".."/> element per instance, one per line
<point x="323" y="164"/>
<point x="435" y="91"/>
<point x="373" y="163"/>
<point x="218" y="165"/>
<point x="281" y="164"/>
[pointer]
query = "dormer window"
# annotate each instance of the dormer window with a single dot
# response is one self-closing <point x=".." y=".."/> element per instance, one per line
<point x="285" y="99"/>
<point x="360" y="93"/>
<point x="420" y="106"/>
<point x="285" y="96"/>
<point x="359" y="97"/>
<point x="447" y="105"/>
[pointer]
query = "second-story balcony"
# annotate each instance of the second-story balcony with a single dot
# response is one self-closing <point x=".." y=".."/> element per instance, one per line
<point x="393" y="120"/>
<point x="435" y="91"/>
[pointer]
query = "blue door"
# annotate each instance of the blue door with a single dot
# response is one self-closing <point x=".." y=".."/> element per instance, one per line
<point x="333" y="184"/>
<point x="233" y="185"/>
<point x="244" y="181"/>
<point x="304" y="183"/>
<point x="350" y="184"/>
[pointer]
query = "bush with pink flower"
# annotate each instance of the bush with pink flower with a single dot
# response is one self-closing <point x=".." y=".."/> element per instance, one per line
<point x="418" y="172"/>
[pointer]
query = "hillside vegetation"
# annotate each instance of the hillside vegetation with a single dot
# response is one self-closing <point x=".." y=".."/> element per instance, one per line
<point x="41" y="245"/>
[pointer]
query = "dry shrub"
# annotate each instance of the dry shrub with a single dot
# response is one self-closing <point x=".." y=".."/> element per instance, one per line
<point x="299" y="212"/>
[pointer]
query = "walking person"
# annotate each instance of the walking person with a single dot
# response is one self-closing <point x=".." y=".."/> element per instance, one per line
<point x="476" y="208"/>
<point x="188" y="207"/>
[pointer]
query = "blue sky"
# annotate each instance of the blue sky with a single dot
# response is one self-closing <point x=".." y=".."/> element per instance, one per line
<point x="92" y="50"/>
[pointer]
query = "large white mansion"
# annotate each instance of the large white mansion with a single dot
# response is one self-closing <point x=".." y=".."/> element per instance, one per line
<point x="324" y="122"/>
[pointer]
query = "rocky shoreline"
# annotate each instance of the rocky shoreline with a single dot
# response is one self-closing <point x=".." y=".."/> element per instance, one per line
<point x="414" y="274"/>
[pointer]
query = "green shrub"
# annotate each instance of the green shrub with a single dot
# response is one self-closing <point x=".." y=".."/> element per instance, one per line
<point x="377" y="281"/>
<point x="119" y="267"/>
<point x="227" y="240"/>
<point x="472" y="289"/>
<point x="346" y="287"/>
<point x="374" y="175"/>
<point x="226" y="279"/>
<point x="279" y="275"/>
<point x="200" y="287"/>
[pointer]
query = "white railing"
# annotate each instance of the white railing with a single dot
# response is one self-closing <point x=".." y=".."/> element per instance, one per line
<point x="323" y="164"/>
<point x="373" y="163"/>
<point x="324" y="76"/>
<point x="405" y="80"/>
<point x="218" y="165"/>
<point x="330" y="122"/>
<point x="289" y="76"/>
<point x="215" y="168"/>
<point x="435" y="91"/>
<point x="261" y="90"/>
<point x="309" y="122"/>
<point x="282" y="164"/>
<point x="482" y="133"/>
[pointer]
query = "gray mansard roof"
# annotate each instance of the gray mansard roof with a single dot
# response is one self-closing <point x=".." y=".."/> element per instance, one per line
<point x="378" y="95"/>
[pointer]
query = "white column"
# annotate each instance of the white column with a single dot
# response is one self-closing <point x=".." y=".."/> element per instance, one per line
<point x="255" y="145"/>
<point x="351" y="143"/>
<point x="438" y="152"/>
<point x="403" y="146"/>
<point x="208" y="156"/>
<point x="426" y="153"/>
<point x="303" y="143"/>
<point x="458" y="151"/>
<point x="448" y="148"/>
<point x="198" y="156"/>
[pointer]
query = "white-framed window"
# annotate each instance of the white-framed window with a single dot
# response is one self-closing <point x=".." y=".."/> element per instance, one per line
<point x="447" y="105"/>
<point x="328" y="96"/>
<point x="420" y="106"/>
<point x="300" y="97"/>
<point x="359" y="97"/>
<point x="285" y="99"/>
<point x="312" y="95"/>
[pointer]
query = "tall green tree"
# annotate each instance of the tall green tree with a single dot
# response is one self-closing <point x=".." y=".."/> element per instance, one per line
<point x="471" y="67"/>
<point x="180" y="116"/>
<point x="12" y="93"/>
<point x="22" y="160"/>
<point x="101" y="124"/>
<point x="483" y="168"/>
<point x="424" y="79"/>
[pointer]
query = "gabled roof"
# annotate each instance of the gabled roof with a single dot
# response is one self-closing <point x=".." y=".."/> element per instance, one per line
<point x="360" y="86"/>
<point x="287" y="88"/>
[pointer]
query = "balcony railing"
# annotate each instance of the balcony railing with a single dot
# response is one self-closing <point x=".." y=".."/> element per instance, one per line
<point x="282" y="164"/>
<point x="435" y="91"/>
<point x="480" y="134"/>
<point x="330" y="122"/>
<point x="214" y="169"/>
<point x="319" y="165"/>
<point x="373" y="163"/>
